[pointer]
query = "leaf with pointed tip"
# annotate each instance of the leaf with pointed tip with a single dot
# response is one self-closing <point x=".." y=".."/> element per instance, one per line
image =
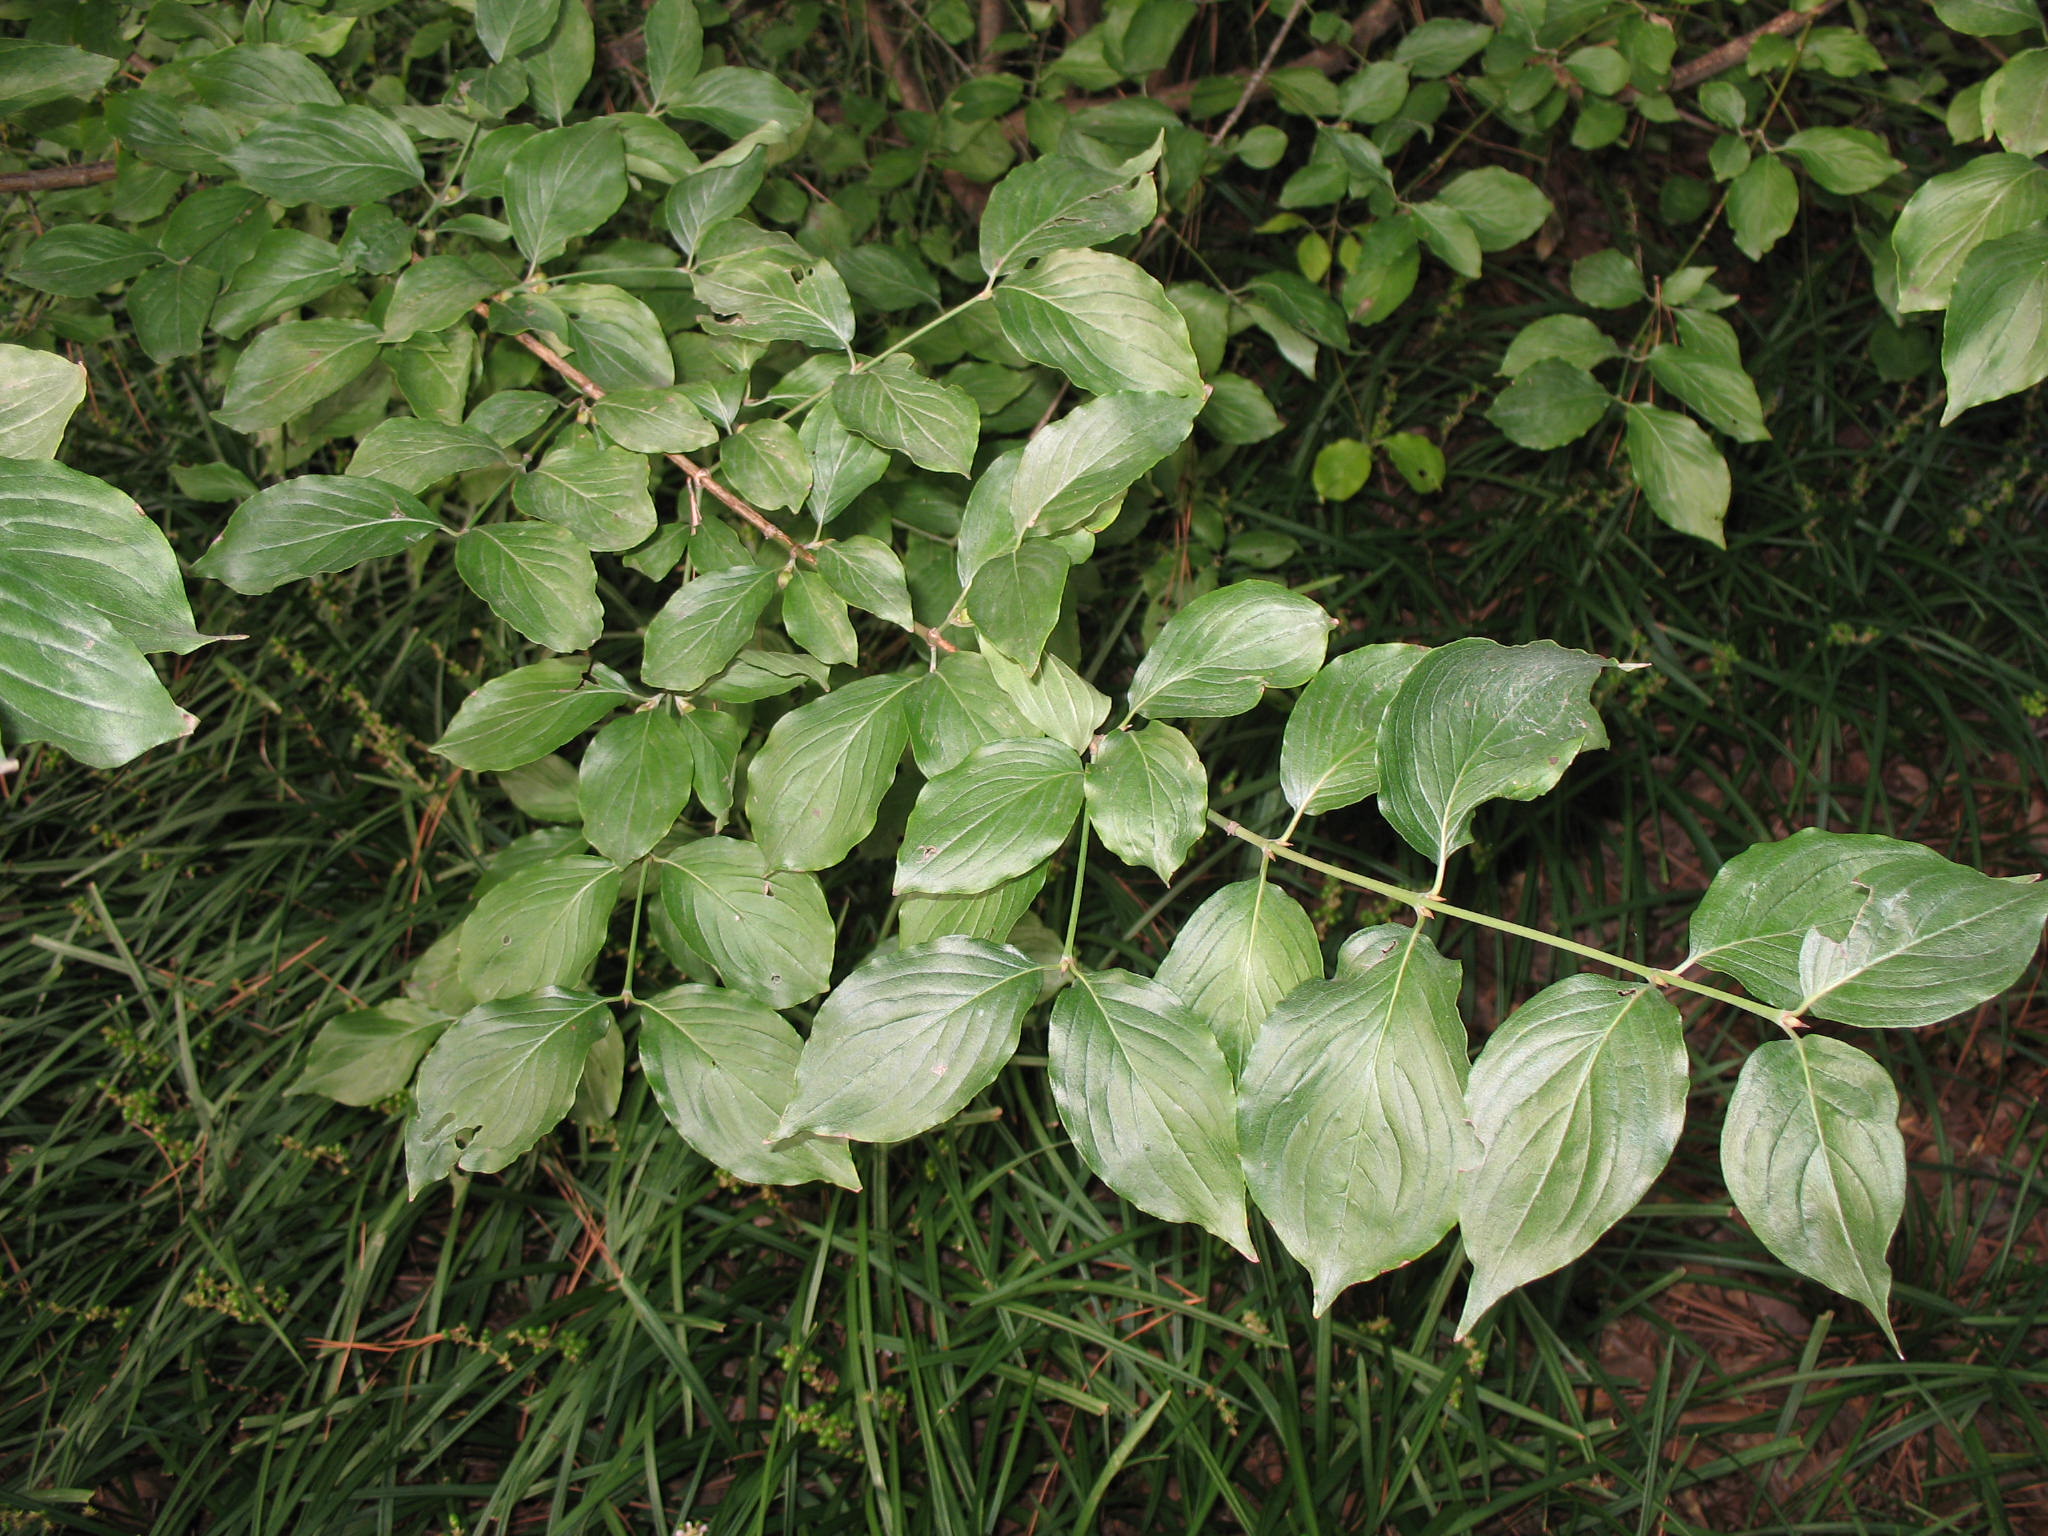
<point x="710" y="195"/>
<point x="1577" y="1101"/>
<point x="891" y="403"/>
<point x="1145" y="1093"/>
<point x="1094" y="452"/>
<point x="957" y="707"/>
<point x="634" y="783"/>
<point x="526" y="713"/>
<point x="654" y="421"/>
<point x="507" y="27"/>
<point x="1682" y="473"/>
<point x="498" y="1080"/>
<point x="843" y="464"/>
<point x="1102" y="321"/>
<point x="564" y="183"/>
<point x="1754" y="919"/>
<point x="1329" y="756"/>
<point x="293" y="367"/>
<point x="1475" y="721"/>
<point x="770" y="935"/>
<point x="1715" y="386"/>
<point x="768" y="302"/>
<point x="542" y="927"/>
<point x="432" y="294"/>
<point x="169" y="306"/>
<point x="1351" y="1112"/>
<point x="314" y="523"/>
<point x="370" y="1054"/>
<point x="598" y="494"/>
<point x="413" y="454"/>
<point x="1008" y="806"/>
<point x="1057" y="699"/>
<point x="722" y="1067"/>
<point x="1062" y="202"/>
<point x="868" y="574"/>
<point x="1994" y="339"/>
<point x="1813" y="1158"/>
<point x="907" y="1041"/>
<point x="333" y="157"/>
<point x="538" y="578"/>
<point x="1015" y="598"/>
<point x="1218" y="656"/>
<point x="1241" y="951"/>
<point x="1147" y="793"/>
<point x="703" y="626"/>
<point x="38" y="393"/>
<point x="815" y="617"/>
<point x="75" y="261"/>
<point x="1951" y="214"/>
<point x="815" y="787"/>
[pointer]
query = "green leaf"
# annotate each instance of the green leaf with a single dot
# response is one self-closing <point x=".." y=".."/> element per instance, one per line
<point x="528" y="712"/>
<point x="35" y="74"/>
<point x="38" y="393"/>
<point x="1419" y="461"/>
<point x="1988" y="18"/>
<point x="815" y="787"/>
<point x="559" y="68"/>
<point x="1093" y="453"/>
<point x="506" y="27"/>
<point x="1714" y="385"/>
<point x="1060" y="203"/>
<point x="1218" y="656"/>
<point x="1550" y="403"/>
<point x="1238" y="411"/>
<point x="1015" y="599"/>
<point x="907" y="1041"/>
<point x="292" y="367"/>
<point x="1057" y="699"/>
<point x="1438" y="47"/>
<point x="2015" y="103"/>
<point x="1102" y="321"/>
<point x="768" y="302"/>
<point x="261" y="80"/>
<point x="714" y="753"/>
<point x="958" y="706"/>
<point x="75" y="261"/>
<point x="1813" y="1157"/>
<point x="1601" y="70"/>
<point x="311" y="524"/>
<point x="1843" y="160"/>
<point x="329" y="156"/>
<point x="770" y="935"/>
<point x="618" y="340"/>
<point x="1148" y="796"/>
<point x="497" y="1081"/>
<point x="413" y="454"/>
<point x="738" y="102"/>
<point x="722" y="1067"/>
<point x="433" y="294"/>
<point x="1763" y="202"/>
<point x="87" y="584"/>
<point x="1329" y="756"/>
<point x="1572" y="338"/>
<point x="1994" y="339"/>
<point x="599" y="494"/>
<point x="1950" y="215"/>
<point x="1607" y="280"/>
<point x="563" y="184"/>
<point x="1577" y="1101"/>
<point x="542" y="927"/>
<point x="537" y="578"/>
<point x="169" y="306"/>
<point x="1503" y="208"/>
<point x="868" y="574"/>
<point x="370" y="1054"/>
<point x="634" y="783"/>
<point x="702" y="627"/>
<point x="1449" y="236"/>
<point x="1007" y="807"/>
<point x="1682" y="473"/>
<point x="1474" y="721"/>
<point x="1144" y="1092"/>
<point x="1341" y="469"/>
<point x="815" y="618"/>
<point x="894" y="405"/>
<point x="654" y="421"/>
<point x="990" y="914"/>
<point x="1352" y="1112"/>
<point x="843" y="464"/>
<point x="708" y="197"/>
<point x="765" y="462"/>
<point x="1241" y="951"/>
<point x="675" y="49"/>
<point x="544" y="790"/>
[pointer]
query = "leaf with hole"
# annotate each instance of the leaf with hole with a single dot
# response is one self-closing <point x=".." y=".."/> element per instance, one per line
<point x="769" y="934"/>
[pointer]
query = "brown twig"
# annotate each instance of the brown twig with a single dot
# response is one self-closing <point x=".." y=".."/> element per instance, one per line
<point x="1258" y="76"/>
<point x="995" y="21"/>
<point x="700" y="477"/>
<point x="1735" y="50"/>
<point x="50" y="178"/>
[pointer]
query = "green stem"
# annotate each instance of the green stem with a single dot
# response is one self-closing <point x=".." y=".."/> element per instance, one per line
<point x="1080" y="879"/>
<point x="1428" y="904"/>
